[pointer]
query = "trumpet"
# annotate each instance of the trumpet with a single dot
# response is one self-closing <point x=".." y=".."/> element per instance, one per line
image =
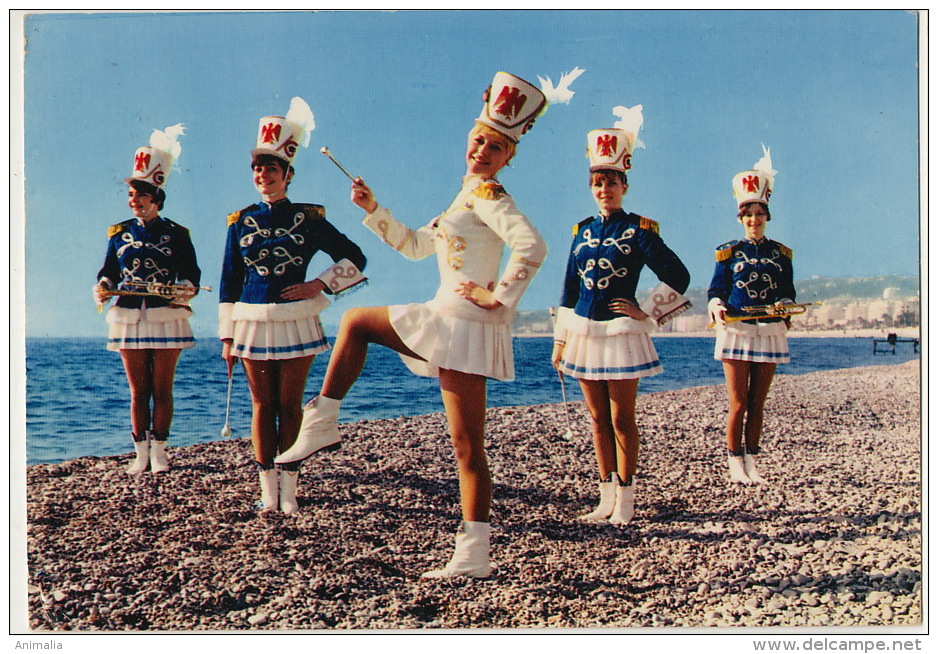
<point x="149" y="290"/>
<point x="155" y="288"/>
<point x="769" y="311"/>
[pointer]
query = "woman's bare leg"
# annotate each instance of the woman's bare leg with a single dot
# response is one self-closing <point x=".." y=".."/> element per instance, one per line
<point x="163" y="374"/>
<point x="622" y="398"/>
<point x="262" y="378"/>
<point x="291" y="384"/>
<point x="596" y="394"/>
<point x="760" y="380"/>
<point x="737" y="390"/>
<point x="358" y="328"/>
<point x="137" y="369"/>
<point x="464" y="400"/>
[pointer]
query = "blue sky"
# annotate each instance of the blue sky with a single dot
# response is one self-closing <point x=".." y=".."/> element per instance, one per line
<point x="834" y="94"/>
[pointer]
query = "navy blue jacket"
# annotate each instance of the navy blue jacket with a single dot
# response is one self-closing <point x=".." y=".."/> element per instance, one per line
<point x="270" y="247"/>
<point x="606" y="258"/>
<point x="157" y="251"/>
<point x="750" y="274"/>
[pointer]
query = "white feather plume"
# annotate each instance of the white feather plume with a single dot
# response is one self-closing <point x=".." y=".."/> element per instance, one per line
<point x="302" y="115"/>
<point x="167" y="140"/>
<point x="562" y="93"/>
<point x="765" y="163"/>
<point x="630" y="120"/>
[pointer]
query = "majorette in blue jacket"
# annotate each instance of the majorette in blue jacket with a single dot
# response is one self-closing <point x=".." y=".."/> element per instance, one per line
<point x="750" y="274"/>
<point x="142" y="253"/>
<point x="269" y="248"/>
<point x="606" y="257"/>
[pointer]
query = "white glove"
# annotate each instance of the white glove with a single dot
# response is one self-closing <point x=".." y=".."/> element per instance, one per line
<point x="717" y="309"/>
<point x="186" y="291"/>
<point x="99" y="291"/>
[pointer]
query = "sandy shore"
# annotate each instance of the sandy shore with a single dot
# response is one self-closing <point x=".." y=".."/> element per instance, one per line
<point x="834" y="540"/>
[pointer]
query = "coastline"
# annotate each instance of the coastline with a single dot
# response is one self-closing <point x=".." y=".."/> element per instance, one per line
<point x="834" y="540"/>
<point x="901" y="332"/>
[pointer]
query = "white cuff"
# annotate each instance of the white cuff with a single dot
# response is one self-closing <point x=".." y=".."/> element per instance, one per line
<point x="341" y="276"/>
<point x="225" y="323"/>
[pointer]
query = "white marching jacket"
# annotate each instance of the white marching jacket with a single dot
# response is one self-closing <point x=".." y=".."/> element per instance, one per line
<point x="467" y="239"/>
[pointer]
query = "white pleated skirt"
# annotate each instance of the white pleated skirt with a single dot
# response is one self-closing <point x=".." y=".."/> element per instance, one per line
<point x="162" y="328"/>
<point x="453" y="343"/>
<point x="265" y="340"/>
<point x="617" y="356"/>
<point x="756" y="342"/>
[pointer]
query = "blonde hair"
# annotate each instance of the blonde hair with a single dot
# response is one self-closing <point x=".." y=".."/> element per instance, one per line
<point x="482" y="128"/>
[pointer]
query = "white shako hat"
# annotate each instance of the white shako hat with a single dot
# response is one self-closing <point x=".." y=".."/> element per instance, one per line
<point x="152" y="163"/>
<point x="611" y="149"/>
<point x="755" y="185"/>
<point x="280" y="136"/>
<point x="512" y="104"/>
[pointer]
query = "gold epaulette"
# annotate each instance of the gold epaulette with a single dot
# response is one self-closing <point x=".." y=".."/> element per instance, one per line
<point x="724" y="252"/>
<point x="576" y="228"/>
<point x="786" y="251"/>
<point x="648" y="223"/>
<point x="315" y="211"/>
<point x="115" y="229"/>
<point x="233" y="217"/>
<point x="490" y="191"/>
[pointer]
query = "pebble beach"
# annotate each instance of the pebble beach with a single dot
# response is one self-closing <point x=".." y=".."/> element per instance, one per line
<point x="833" y="540"/>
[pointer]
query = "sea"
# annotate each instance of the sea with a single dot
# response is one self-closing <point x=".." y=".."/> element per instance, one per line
<point x="77" y="399"/>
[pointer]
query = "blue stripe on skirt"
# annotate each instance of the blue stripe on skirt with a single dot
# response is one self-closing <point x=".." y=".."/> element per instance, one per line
<point x="151" y="339"/>
<point x="730" y="353"/>
<point x="583" y="370"/>
<point x="239" y="350"/>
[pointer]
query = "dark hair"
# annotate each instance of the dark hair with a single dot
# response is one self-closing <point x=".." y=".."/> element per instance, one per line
<point x="158" y="194"/>
<point x="744" y="206"/>
<point x="611" y="174"/>
<point x="271" y="160"/>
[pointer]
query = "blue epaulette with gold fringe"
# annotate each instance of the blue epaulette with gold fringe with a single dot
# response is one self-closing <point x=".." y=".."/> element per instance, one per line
<point x="648" y="223"/>
<point x="725" y="251"/>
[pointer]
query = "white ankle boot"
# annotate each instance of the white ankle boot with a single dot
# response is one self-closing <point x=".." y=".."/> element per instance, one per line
<point x="288" y="481"/>
<point x="749" y="463"/>
<point x="471" y="555"/>
<point x="607" y="500"/>
<point x="142" y="448"/>
<point x="624" y="510"/>
<point x="159" y="462"/>
<point x="269" y="489"/>
<point x="318" y="430"/>
<point x="737" y="470"/>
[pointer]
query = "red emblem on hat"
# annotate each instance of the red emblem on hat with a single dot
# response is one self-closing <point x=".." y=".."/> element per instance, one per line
<point x="142" y="161"/>
<point x="751" y="183"/>
<point x="510" y="101"/>
<point x="606" y="145"/>
<point x="270" y="133"/>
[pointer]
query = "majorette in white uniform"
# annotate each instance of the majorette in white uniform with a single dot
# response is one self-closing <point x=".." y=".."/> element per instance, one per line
<point x="269" y="247"/>
<point x="144" y="256"/>
<point x="606" y="258"/>
<point x="449" y="331"/>
<point x="749" y="273"/>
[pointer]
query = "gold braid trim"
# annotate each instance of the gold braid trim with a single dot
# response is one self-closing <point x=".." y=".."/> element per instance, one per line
<point x="786" y="251"/>
<point x="490" y="191"/>
<point x="526" y="262"/>
<point x="233" y="217"/>
<point x="648" y="223"/>
<point x="114" y="229"/>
